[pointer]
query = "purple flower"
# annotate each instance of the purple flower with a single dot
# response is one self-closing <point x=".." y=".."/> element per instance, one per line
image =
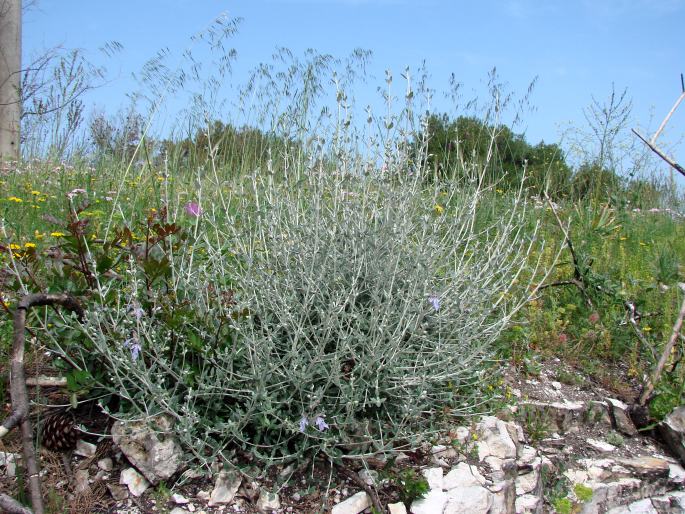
<point x="321" y="424"/>
<point x="434" y="301"/>
<point x="136" y="311"/>
<point x="193" y="209"/>
<point x="303" y="424"/>
<point x="134" y="346"/>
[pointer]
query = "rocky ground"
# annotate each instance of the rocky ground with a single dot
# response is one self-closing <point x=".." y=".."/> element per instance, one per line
<point x="564" y="444"/>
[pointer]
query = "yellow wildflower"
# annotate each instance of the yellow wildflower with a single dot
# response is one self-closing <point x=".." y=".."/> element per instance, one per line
<point x="14" y="246"/>
<point x="29" y="245"/>
<point x="57" y="234"/>
<point x="15" y="199"/>
<point x="439" y="209"/>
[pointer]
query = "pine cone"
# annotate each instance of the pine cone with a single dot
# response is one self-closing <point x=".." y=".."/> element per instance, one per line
<point x="59" y="432"/>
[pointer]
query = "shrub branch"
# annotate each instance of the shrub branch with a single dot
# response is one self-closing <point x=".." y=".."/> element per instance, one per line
<point x="18" y="391"/>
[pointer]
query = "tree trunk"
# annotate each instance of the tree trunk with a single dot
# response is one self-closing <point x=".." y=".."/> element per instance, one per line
<point x="10" y="78"/>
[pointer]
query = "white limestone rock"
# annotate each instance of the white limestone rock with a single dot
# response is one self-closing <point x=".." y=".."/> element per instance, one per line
<point x="495" y="439"/>
<point x="85" y="449"/>
<point x="106" y="464"/>
<point x="600" y="446"/>
<point x="81" y="485"/>
<point x="462" y="475"/>
<point x="619" y="413"/>
<point x="150" y="446"/>
<point x="527" y="504"/>
<point x="179" y="499"/>
<point x="676" y="473"/>
<point x="433" y="477"/>
<point x="225" y="488"/>
<point x="434" y="501"/>
<point x="353" y="505"/>
<point x="397" y="508"/>
<point x="473" y="499"/>
<point x="639" y="507"/>
<point x="528" y="483"/>
<point x="9" y="462"/>
<point x="672" y="431"/>
<point x="268" y="501"/>
<point x="136" y="483"/>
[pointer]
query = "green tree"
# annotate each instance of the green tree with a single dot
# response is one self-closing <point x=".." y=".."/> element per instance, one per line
<point x="455" y="147"/>
<point x="237" y="149"/>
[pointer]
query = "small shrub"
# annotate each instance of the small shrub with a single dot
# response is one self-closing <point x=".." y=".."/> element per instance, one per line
<point x="535" y="423"/>
<point x="412" y="485"/>
<point x="583" y="492"/>
<point x="563" y="506"/>
<point x="615" y="438"/>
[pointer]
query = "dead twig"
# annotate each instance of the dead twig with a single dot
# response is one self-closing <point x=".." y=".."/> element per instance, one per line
<point x="18" y="391"/>
<point x="12" y="506"/>
<point x="630" y="307"/>
<point x="578" y="278"/>
<point x="648" y="388"/>
<point x="46" y="382"/>
<point x="660" y="153"/>
<point x="651" y="143"/>
<point x="375" y="501"/>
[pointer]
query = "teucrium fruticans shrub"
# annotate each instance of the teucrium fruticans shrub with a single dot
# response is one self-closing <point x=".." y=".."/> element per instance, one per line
<point x="333" y="312"/>
<point x="373" y="302"/>
<point x="335" y="303"/>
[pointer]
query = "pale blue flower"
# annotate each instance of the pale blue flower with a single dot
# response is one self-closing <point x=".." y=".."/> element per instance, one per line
<point x="434" y="300"/>
<point x="137" y="312"/>
<point x="134" y="346"/>
<point x="303" y="424"/>
<point x="321" y="424"/>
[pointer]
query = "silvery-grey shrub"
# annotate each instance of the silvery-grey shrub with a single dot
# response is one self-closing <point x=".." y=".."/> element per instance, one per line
<point x="364" y="308"/>
<point x="343" y="303"/>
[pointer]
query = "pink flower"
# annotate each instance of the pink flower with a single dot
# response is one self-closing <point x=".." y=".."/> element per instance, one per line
<point x="593" y="318"/>
<point x="563" y="338"/>
<point x="193" y="209"/>
<point x="71" y="194"/>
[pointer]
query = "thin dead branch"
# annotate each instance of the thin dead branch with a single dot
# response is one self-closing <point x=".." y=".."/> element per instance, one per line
<point x="648" y="388"/>
<point x="350" y="474"/>
<point x="630" y="307"/>
<point x="660" y="153"/>
<point x="578" y="278"/>
<point x="18" y="391"/>
<point x="651" y="143"/>
<point x="12" y="506"/>
<point x="46" y="382"/>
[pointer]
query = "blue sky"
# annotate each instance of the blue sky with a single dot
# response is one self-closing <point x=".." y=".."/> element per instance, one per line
<point x="575" y="48"/>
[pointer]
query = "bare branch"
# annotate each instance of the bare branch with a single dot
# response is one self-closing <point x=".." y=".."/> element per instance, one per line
<point x="648" y="388"/>
<point x="12" y="506"/>
<point x="18" y="392"/>
<point x="578" y="279"/>
<point x="661" y="154"/>
<point x="652" y="142"/>
<point x="47" y="382"/>
<point x="670" y="113"/>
